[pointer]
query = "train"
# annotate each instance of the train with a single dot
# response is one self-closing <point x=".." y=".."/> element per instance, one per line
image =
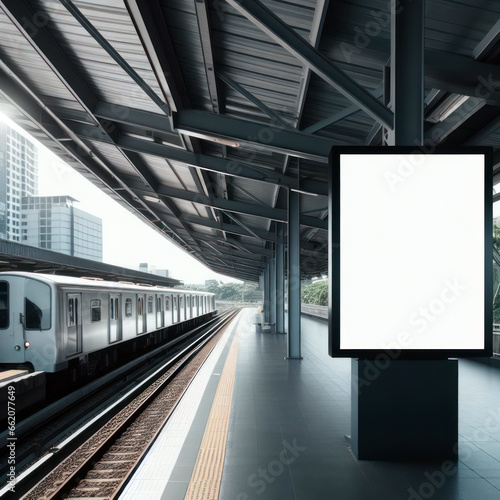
<point x="78" y="326"/>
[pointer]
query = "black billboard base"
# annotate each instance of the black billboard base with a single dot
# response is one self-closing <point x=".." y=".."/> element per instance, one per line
<point x="404" y="409"/>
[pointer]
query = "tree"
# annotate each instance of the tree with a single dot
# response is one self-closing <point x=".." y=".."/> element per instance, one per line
<point x="316" y="293"/>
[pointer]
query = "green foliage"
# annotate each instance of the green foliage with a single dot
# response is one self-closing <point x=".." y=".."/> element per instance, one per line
<point x="496" y="308"/>
<point x="316" y="293"/>
<point x="233" y="292"/>
<point x="496" y="238"/>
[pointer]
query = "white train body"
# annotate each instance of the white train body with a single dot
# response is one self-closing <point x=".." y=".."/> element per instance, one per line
<point x="46" y="320"/>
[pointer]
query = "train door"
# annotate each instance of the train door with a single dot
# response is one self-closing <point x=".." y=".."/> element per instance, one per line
<point x="141" y="314"/>
<point x="182" y="309"/>
<point x="175" y="309"/>
<point x="74" y="324"/>
<point x="160" y="317"/>
<point x="115" y="322"/>
<point x="11" y="329"/>
<point x="168" y="310"/>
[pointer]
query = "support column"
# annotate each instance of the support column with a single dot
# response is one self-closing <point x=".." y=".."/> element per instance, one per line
<point x="266" y="293"/>
<point x="402" y="409"/>
<point x="294" y="302"/>
<point x="407" y="72"/>
<point x="272" y="291"/>
<point x="280" y="281"/>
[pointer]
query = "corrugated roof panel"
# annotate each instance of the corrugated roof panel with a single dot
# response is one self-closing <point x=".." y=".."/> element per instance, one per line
<point x="182" y="23"/>
<point x="108" y="81"/>
<point x="161" y="170"/>
<point x="184" y="174"/>
<point x="33" y="70"/>
<point x="253" y="60"/>
<point x="112" y="157"/>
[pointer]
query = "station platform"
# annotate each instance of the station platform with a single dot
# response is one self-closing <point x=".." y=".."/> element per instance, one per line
<point x="270" y="428"/>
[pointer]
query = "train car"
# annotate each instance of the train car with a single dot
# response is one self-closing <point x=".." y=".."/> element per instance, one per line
<point x="50" y="323"/>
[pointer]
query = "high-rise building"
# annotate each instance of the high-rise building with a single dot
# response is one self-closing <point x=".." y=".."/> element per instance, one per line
<point x="145" y="268"/>
<point x="18" y="178"/>
<point x="54" y="223"/>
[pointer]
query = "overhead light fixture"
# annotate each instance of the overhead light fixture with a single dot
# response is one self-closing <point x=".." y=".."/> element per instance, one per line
<point x="303" y="192"/>
<point x="218" y="140"/>
<point x="449" y="105"/>
<point x="154" y="199"/>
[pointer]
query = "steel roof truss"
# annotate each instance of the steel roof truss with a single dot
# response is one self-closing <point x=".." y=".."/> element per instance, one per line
<point x="281" y="33"/>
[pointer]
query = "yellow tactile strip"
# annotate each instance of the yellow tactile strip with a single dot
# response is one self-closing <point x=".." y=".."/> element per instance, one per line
<point x="207" y="473"/>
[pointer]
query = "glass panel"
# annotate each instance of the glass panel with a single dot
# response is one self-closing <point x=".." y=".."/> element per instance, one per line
<point x="128" y="308"/>
<point x="71" y="312"/>
<point x="4" y="304"/>
<point x="37" y="305"/>
<point x="95" y="310"/>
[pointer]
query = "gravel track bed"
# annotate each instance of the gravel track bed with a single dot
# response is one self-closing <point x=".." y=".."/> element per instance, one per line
<point x="120" y="459"/>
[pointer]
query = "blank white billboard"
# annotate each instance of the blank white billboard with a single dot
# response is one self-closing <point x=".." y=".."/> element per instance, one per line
<point x="411" y="271"/>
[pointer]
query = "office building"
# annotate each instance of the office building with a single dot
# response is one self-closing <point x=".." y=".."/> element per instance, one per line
<point x="54" y="223"/>
<point x="18" y="178"/>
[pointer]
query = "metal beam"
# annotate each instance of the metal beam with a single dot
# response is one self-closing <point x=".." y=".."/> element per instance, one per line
<point x="241" y="224"/>
<point x="345" y="113"/>
<point x="488" y="46"/>
<point x="271" y="24"/>
<point x="248" y="95"/>
<point x="229" y="205"/>
<point x="240" y="207"/>
<point x="114" y="54"/>
<point x="254" y="134"/>
<point x="442" y="70"/>
<point x="143" y="120"/>
<point x="202" y="16"/>
<point x="202" y="161"/>
<point x="228" y="228"/>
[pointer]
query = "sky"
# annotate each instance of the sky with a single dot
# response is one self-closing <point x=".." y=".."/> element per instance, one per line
<point x="127" y="241"/>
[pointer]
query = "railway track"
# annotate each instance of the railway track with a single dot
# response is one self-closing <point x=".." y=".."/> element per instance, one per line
<point x="97" y="459"/>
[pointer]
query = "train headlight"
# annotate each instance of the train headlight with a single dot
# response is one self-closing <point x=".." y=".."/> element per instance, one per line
<point x="27" y="345"/>
<point x="17" y="348"/>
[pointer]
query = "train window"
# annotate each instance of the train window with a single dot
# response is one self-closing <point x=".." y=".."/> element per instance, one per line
<point x="37" y="305"/>
<point x="175" y="302"/>
<point x="71" y="312"/>
<point x="150" y="305"/>
<point x="95" y="310"/>
<point x="128" y="308"/>
<point x="140" y="306"/>
<point x="167" y="303"/>
<point x="114" y="308"/>
<point x="4" y="304"/>
<point x="181" y="301"/>
<point x="158" y="305"/>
